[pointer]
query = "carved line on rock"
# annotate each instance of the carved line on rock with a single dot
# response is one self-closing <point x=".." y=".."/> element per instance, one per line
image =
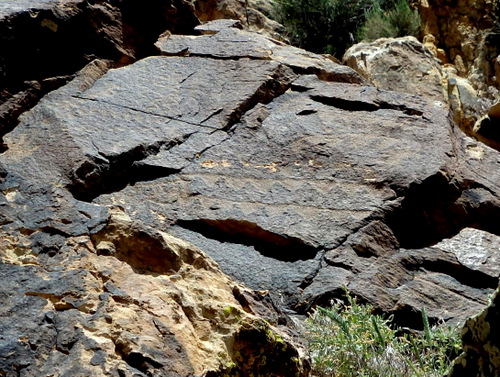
<point x="146" y="112"/>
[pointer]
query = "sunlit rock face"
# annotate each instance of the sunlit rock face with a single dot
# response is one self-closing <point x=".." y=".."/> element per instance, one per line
<point x="139" y="201"/>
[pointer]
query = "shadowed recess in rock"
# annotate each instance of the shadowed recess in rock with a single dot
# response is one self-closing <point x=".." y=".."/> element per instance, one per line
<point x="461" y="273"/>
<point x="137" y="360"/>
<point x="438" y="208"/>
<point x="145" y="253"/>
<point x="351" y="105"/>
<point x="272" y="245"/>
<point x="107" y="174"/>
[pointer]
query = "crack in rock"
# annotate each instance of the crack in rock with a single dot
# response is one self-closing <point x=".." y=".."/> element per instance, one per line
<point x="353" y="105"/>
<point x="278" y="84"/>
<point x="228" y="42"/>
<point x="283" y="248"/>
<point x="106" y="174"/>
<point x="122" y="32"/>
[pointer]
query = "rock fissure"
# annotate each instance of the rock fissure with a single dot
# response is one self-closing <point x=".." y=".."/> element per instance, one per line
<point x="269" y="244"/>
<point x="309" y="278"/>
<point x="352" y="105"/>
<point x="186" y="52"/>
<point x="270" y="90"/>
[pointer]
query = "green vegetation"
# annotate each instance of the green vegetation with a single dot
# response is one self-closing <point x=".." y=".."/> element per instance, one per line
<point x="331" y="26"/>
<point x="398" y="21"/>
<point x="348" y="340"/>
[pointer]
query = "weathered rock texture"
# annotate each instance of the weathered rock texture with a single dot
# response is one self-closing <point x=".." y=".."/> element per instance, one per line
<point x="292" y="172"/>
<point x="401" y="64"/>
<point x="254" y="14"/>
<point x="129" y="301"/>
<point x="481" y="356"/>
<point x="86" y="290"/>
<point x="406" y="65"/>
<point x="43" y="43"/>
<point x="467" y="32"/>
<point x="455" y="64"/>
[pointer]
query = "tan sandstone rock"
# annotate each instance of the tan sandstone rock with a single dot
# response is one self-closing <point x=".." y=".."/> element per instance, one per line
<point x="402" y="64"/>
<point x="157" y="305"/>
<point x="465" y="30"/>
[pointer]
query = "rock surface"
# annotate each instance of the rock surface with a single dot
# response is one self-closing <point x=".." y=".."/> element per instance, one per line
<point x="87" y="291"/>
<point x="292" y="172"/>
<point x="129" y="301"/>
<point x="406" y="65"/>
<point x="481" y="356"/>
<point x="466" y="30"/>
<point x="60" y="37"/>
<point x="401" y="64"/>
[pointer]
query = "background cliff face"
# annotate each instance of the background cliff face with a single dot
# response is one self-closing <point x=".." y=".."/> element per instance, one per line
<point x="468" y="32"/>
<point x="140" y="192"/>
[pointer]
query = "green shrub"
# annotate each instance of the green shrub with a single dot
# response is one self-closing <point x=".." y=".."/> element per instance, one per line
<point x="399" y="21"/>
<point x="348" y="340"/>
<point x="330" y="26"/>
<point x="320" y="25"/>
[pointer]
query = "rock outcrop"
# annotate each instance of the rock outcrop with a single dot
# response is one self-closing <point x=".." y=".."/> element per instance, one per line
<point x="88" y="291"/>
<point x="456" y="62"/>
<point x="255" y="15"/>
<point x="406" y="65"/>
<point x="130" y="301"/>
<point x="467" y="32"/>
<point x="481" y="356"/>
<point x="401" y="64"/>
<point x="292" y="172"/>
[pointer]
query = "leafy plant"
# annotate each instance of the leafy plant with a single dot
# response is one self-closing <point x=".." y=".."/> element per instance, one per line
<point x="348" y="340"/>
<point x="399" y="21"/>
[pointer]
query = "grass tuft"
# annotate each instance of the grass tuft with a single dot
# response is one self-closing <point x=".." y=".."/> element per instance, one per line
<point x="348" y="340"/>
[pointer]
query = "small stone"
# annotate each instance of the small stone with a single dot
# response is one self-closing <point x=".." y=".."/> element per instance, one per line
<point x="106" y="248"/>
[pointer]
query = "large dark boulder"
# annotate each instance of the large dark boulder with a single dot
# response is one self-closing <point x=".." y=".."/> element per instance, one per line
<point x="292" y="172"/>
